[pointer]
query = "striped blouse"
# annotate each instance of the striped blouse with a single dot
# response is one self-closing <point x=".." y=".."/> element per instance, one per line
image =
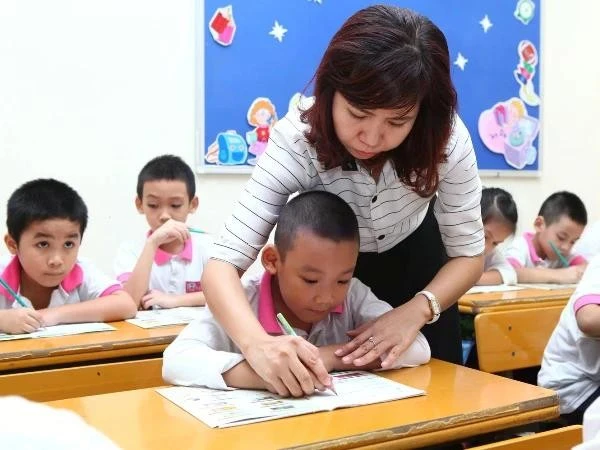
<point x="386" y="209"/>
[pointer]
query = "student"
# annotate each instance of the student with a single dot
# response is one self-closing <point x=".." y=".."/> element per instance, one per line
<point x="163" y="269"/>
<point x="46" y="220"/>
<point x="535" y="256"/>
<point x="382" y="133"/>
<point x="27" y="425"/>
<point x="589" y="244"/>
<point x="499" y="215"/>
<point x="571" y="363"/>
<point x="308" y="278"/>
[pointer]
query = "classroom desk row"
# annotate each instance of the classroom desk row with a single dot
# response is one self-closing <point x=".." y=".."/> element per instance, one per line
<point x="459" y="403"/>
<point x="512" y="328"/>
<point x="68" y="366"/>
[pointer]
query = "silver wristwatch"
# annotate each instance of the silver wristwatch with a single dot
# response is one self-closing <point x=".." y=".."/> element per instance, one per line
<point x="434" y="305"/>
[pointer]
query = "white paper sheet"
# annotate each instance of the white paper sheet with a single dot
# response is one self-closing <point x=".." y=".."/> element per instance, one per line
<point x="220" y="409"/>
<point x="60" y="330"/>
<point x="154" y="318"/>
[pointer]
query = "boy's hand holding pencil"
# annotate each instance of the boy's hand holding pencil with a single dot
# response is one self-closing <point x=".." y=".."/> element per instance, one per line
<point x="23" y="319"/>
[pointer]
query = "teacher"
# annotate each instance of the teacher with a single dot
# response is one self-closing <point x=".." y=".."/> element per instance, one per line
<point x="382" y="133"/>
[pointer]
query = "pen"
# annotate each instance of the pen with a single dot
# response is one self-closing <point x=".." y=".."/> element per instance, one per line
<point x="290" y="332"/>
<point x="196" y="230"/>
<point x="563" y="260"/>
<point x="10" y="290"/>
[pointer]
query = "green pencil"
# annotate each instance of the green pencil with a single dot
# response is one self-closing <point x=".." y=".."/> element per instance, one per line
<point x="563" y="260"/>
<point x="196" y="230"/>
<point x="16" y="296"/>
<point x="290" y="332"/>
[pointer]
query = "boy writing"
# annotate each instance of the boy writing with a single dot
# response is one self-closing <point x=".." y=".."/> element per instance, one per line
<point x="164" y="269"/>
<point x="46" y="220"/>
<point x="308" y="278"/>
<point x="545" y="255"/>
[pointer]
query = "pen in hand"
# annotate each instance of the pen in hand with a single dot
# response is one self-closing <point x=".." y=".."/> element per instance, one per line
<point x="555" y="249"/>
<point x="14" y="295"/>
<point x="290" y="332"/>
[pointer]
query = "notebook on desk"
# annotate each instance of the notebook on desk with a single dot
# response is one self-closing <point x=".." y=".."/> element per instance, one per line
<point x="493" y="288"/>
<point x="548" y="286"/>
<point x="60" y="330"/>
<point x="221" y="409"/>
<point x="154" y="318"/>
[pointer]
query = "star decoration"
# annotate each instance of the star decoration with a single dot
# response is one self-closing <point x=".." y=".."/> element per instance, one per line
<point x="461" y="61"/>
<point x="278" y="31"/>
<point x="486" y="23"/>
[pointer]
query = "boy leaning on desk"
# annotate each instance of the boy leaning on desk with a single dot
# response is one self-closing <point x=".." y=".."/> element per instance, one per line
<point x="44" y="283"/>
<point x="308" y="279"/>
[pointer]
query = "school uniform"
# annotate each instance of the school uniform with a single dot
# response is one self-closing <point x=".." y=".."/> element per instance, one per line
<point x="497" y="261"/>
<point x="83" y="282"/>
<point x="203" y="351"/>
<point x="522" y="254"/>
<point x="404" y="240"/>
<point x="171" y="273"/>
<point x="571" y="363"/>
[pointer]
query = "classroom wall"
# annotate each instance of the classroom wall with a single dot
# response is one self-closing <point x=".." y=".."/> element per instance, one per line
<point x="90" y="90"/>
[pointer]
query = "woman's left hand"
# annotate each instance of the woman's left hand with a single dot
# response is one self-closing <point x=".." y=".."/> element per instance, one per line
<point x="389" y="335"/>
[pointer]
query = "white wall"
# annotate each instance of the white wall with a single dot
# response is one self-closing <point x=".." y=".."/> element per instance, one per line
<point x="90" y="90"/>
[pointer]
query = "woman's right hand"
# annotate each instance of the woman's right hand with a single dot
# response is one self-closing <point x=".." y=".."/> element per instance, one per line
<point x="289" y="364"/>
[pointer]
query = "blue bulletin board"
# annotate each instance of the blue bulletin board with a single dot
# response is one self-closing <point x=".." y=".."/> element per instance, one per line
<point x="256" y="56"/>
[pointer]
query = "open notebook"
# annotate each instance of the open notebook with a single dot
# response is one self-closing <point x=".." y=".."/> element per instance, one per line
<point x="220" y="409"/>
<point x="154" y="318"/>
<point x="60" y="330"/>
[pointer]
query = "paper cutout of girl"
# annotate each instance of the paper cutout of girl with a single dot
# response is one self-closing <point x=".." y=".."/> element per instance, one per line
<point x="263" y="116"/>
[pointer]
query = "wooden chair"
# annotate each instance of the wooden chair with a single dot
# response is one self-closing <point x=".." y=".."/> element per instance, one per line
<point x="515" y="339"/>
<point x="559" y="439"/>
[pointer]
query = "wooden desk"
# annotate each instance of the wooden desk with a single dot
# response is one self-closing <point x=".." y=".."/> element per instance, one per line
<point x="84" y="364"/>
<point x="512" y="328"/>
<point x="504" y="301"/>
<point x="460" y="402"/>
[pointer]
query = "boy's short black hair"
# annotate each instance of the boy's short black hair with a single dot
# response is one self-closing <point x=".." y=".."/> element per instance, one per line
<point x="497" y="204"/>
<point x="44" y="199"/>
<point x="322" y="213"/>
<point x="563" y="203"/>
<point x="167" y="167"/>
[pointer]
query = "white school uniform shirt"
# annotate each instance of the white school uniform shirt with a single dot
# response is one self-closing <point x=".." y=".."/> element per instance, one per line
<point x="171" y="274"/>
<point x="84" y="282"/>
<point x="203" y="351"/>
<point x="26" y="425"/>
<point x="589" y="244"/>
<point x="571" y="363"/>
<point x="497" y="261"/>
<point x="387" y="210"/>
<point x="521" y="254"/>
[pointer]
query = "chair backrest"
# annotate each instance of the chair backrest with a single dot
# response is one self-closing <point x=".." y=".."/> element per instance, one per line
<point x="515" y="339"/>
<point x="559" y="439"/>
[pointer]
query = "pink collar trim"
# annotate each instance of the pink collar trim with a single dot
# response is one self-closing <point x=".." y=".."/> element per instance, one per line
<point x="532" y="253"/>
<point x="12" y="276"/>
<point x="266" y="307"/>
<point x="161" y="257"/>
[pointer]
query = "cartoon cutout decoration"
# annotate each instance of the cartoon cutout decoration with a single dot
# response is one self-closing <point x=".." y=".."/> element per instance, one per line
<point x="263" y="116"/>
<point x="228" y="149"/>
<point x="524" y="11"/>
<point x="506" y="128"/>
<point x="525" y="71"/>
<point x="222" y="26"/>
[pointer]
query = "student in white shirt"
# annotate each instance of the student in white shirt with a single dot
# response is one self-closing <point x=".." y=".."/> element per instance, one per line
<point x="545" y="256"/>
<point x="308" y="278"/>
<point x="382" y="133"/>
<point x="499" y="214"/>
<point x="46" y="220"/>
<point x="164" y="268"/>
<point x="571" y="363"/>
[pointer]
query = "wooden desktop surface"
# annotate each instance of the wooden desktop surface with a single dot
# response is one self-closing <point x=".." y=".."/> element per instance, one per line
<point x="511" y="300"/>
<point x="460" y="402"/>
<point x="127" y="341"/>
